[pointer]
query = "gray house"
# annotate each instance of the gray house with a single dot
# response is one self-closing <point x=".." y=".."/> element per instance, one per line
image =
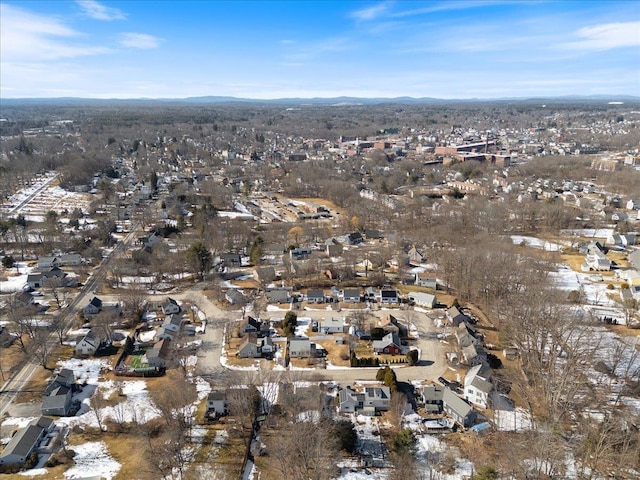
<point x="64" y="378"/>
<point x="373" y="400"/>
<point x="423" y="299"/>
<point x="351" y="295"/>
<point x="279" y="295"/>
<point x="457" y="408"/>
<point x="93" y="307"/>
<point x="58" y="402"/>
<point x="300" y="347"/>
<point x="158" y="356"/>
<point x="455" y="316"/>
<point x="249" y="346"/>
<point x="25" y="441"/>
<point x="315" y="296"/>
<point x="432" y="398"/>
<point x="426" y="280"/>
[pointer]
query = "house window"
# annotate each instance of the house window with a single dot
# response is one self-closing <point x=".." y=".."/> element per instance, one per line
<point x="471" y="391"/>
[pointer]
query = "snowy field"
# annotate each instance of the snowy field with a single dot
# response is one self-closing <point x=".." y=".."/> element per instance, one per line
<point x="534" y="242"/>
<point x="16" y="282"/>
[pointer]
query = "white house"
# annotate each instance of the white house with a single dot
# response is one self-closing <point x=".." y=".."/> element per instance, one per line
<point x="423" y="299"/>
<point x="88" y="345"/>
<point x="477" y="386"/>
<point x="332" y="325"/>
<point x="170" y="306"/>
<point x="596" y="260"/>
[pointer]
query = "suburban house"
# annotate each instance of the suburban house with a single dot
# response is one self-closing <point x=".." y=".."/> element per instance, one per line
<point x="253" y="325"/>
<point x="236" y="297"/>
<point x="371" y="294"/>
<point x="94" y="307"/>
<point x="426" y="280"/>
<point x="622" y="240"/>
<point x="278" y="295"/>
<point x="389" y="345"/>
<point x="415" y="257"/>
<point x="466" y="335"/>
<point x="264" y="275"/>
<point x="631" y="293"/>
<point x="373" y="400"/>
<point x="457" y="408"/>
<point x="53" y="276"/>
<point x="217" y="403"/>
<point x="597" y="261"/>
<point x="315" y="296"/>
<point x="231" y="259"/>
<point x="595" y="258"/>
<point x="170" y="306"/>
<point x="171" y="327"/>
<point x="477" y="386"/>
<point x="331" y="325"/>
<point x="354" y="238"/>
<point x="455" y="316"/>
<point x="58" y="402"/>
<point x="267" y="348"/>
<point x="25" y="441"/>
<point x="471" y="355"/>
<point x="300" y="253"/>
<point x="300" y="347"/>
<point x="334" y="250"/>
<point x="248" y="348"/>
<point x="68" y="260"/>
<point x="389" y="295"/>
<point x="351" y="295"/>
<point x="372" y="234"/>
<point x="158" y="356"/>
<point x="64" y="378"/>
<point x="634" y="259"/>
<point x="87" y="345"/>
<point x="390" y="324"/>
<point x="432" y="398"/>
<point x="423" y="299"/>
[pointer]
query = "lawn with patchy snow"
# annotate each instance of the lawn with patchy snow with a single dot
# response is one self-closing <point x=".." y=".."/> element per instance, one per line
<point x="92" y="459"/>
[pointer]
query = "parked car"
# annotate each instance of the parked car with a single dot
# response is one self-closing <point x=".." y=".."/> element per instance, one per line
<point x="444" y="381"/>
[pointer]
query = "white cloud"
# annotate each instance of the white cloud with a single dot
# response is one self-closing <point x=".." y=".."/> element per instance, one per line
<point x="26" y="36"/>
<point x="370" y="13"/>
<point x="607" y="36"/>
<point x="97" y="11"/>
<point x="449" y="6"/>
<point x="139" y="40"/>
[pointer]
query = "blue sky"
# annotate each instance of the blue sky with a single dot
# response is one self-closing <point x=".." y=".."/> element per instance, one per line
<point x="261" y="49"/>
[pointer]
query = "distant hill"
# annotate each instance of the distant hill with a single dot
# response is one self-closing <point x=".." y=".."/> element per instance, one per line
<point x="316" y="101"/>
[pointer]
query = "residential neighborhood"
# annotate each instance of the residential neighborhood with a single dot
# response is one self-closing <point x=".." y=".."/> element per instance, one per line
<point x="429" y="290"/>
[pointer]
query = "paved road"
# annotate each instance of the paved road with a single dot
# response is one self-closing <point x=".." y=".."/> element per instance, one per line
<point x="33" y="195"/>
<point x="432" y="360"/>
<point x="19" y="379"/>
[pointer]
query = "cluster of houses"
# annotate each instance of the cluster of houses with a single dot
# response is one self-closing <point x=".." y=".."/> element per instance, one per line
<point x="50" y="274"/>
<point x="478" y="390"/>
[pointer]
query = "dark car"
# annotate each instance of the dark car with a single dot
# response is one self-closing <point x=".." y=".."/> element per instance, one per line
<point x="444" y="381"/>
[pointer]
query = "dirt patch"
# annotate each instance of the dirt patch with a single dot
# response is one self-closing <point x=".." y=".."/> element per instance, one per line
<point x="338" y="355"/>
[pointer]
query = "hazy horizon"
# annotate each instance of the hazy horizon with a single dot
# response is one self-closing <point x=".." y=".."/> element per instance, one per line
<point x="275" y="50"/>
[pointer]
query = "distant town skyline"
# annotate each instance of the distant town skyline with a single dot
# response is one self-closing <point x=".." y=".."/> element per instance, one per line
<point x="269" y="50"/>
